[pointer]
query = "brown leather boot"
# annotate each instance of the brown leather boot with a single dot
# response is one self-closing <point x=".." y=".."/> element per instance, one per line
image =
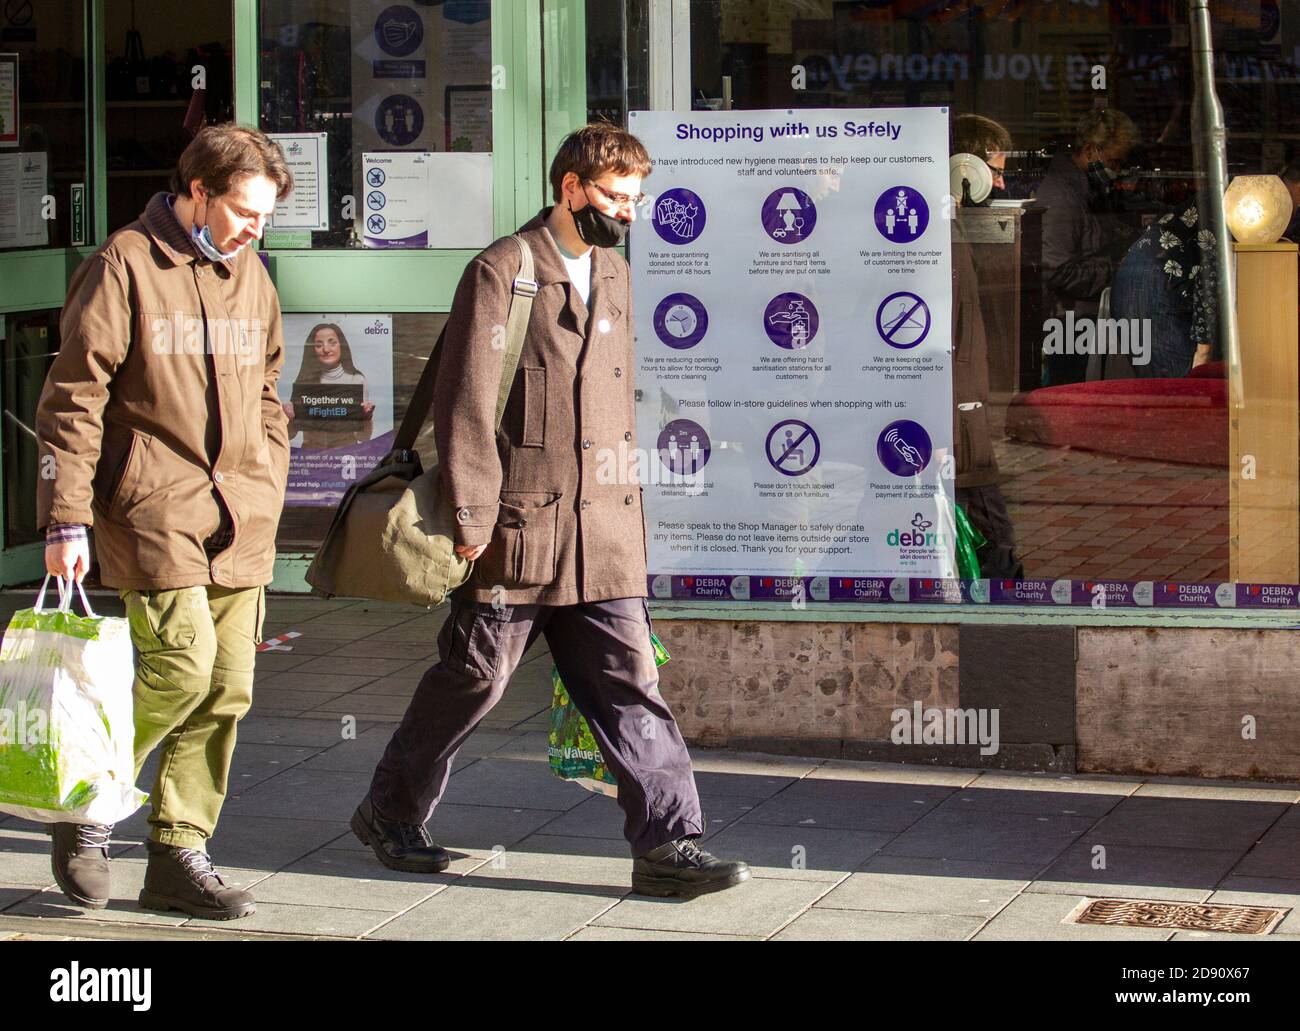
<point x="80" y="861"/>
<point x="184" y="879"/>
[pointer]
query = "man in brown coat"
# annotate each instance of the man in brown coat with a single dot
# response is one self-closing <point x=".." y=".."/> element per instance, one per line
<point x="162" y="429"/>
<point x="559" y="543"/>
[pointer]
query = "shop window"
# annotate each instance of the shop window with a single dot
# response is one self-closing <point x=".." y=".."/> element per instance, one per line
<point x="168" y="74"/>
<point x="43" y="181"/>
<point x="30" y="342"/>
<point x="618" y="58"/>
<point x="385" y="111"/>
<point x="346" y="382"/>
<point x="1088" y="456"/>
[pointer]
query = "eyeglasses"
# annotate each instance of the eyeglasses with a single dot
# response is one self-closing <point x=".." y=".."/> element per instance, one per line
<point x="619" y="200"/>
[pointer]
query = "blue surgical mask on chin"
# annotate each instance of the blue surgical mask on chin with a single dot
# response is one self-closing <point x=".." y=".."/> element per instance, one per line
<point x="203" y="241"/>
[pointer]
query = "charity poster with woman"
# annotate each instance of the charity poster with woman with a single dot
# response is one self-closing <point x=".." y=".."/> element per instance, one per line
<point x="336" y="387"/>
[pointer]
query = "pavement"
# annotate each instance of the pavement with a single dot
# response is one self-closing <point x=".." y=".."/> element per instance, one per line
<point x="839" y="850"/>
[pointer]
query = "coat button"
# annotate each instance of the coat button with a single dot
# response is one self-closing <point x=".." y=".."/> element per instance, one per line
<point x="585" y="504"/>
<point x="603" y="325"/>
<point x="627" y="435"/>
<point x="627" y="500"/>
<point x="463" y="515"/>
<point x="218" y="477"/>
<point x="618" y="373"/>
<point x="586" y="444"/>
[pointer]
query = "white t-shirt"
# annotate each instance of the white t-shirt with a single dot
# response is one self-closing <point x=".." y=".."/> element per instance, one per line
<point x="579" y="270"/>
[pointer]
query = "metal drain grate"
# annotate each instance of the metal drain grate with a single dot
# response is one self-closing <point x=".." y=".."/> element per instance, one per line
<point x="1183" y="916"/>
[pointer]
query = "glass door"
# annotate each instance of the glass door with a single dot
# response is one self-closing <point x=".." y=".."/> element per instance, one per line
<point x="415" y="133"/>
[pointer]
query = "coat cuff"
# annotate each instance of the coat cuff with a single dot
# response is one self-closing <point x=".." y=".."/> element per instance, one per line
<point x="474" y="523"/>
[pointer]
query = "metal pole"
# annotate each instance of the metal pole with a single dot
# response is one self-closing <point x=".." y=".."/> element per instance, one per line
<point x="1209" y="142"/>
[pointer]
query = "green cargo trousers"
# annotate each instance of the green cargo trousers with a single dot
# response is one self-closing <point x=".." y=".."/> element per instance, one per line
<point x="195" y="649"/>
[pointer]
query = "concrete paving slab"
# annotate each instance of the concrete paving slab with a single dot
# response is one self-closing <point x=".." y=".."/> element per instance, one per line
<point x="909" y="885"/>
<point x="1186" y="822"/>
<point x="797" y="853"/>
<point x="346" y="879"/>
<point x="1032" y="803"/>
<point x="298" y="732"/>
<point x="520" y="784"/>
<point x="895" y="773"/>
<point x="626" y="934"/>
<point x="1137" y="871"/>
<point x="760" y="906"/>
<point x="313" y="920"/>
<point x="1078" y="784"/>
<point x="299" y="792"/>
<point x="1276" y="854"/>
<point x="351" y="665"/>
<point x="989" y="836"/>
<point x="277" y="698"/>
<point x="852" y="925"/>
<point x="317" y="682"/>
<point x="1233" y="792"/>
<point x="497" y="913"/>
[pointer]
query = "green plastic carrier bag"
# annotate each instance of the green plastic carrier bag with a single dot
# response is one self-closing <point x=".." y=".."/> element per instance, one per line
<point x="969" y="541"/>
<point x="67" y="731"/>
<point x="572" y="748"/>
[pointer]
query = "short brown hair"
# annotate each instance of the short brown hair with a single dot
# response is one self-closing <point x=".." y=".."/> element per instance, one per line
<point x="595" y="149"/>
<point x="1107" y="127"/>
<point x="975" y="134"/>
<point x="221" y="154"/>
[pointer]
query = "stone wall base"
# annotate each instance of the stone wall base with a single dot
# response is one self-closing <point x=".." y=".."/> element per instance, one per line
<point x="1177" y="701"/>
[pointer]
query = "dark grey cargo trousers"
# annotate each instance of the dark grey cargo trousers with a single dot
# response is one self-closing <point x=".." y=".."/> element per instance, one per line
<point x="605" y="658"/>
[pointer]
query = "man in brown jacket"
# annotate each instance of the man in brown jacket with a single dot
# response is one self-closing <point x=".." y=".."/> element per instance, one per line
<point x="559" y="545"/>
<point x="162" y="429"/>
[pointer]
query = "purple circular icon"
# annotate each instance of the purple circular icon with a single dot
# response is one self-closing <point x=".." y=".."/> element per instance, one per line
<point x="399" y="120"/>
<point x="399" y="31"/>
<point x="791" y="321"/>
<point x="683" y="447"/>
<point x="679" y="216"/>
<point x="793" y="447"/>
<point x="903" y="320"/>
<point x="904" y="448"/>
<point x="902" y="214"/>
<point x="681" y="321"/>
<point x="789" y="215"/>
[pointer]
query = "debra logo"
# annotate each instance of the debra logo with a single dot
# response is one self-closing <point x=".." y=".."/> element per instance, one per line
<point x="919" y="535"/>
<point x="378" y="329"/>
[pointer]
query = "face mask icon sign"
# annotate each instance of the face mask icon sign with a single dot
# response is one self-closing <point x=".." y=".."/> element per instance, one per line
<point x="399" y="31"/>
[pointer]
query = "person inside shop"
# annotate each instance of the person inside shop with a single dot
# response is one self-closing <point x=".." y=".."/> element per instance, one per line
<point x="327" y="362"/>
<point x="1085" y="236"/>
<point x="1170" y="278"/>
<point x="978" y="485"/>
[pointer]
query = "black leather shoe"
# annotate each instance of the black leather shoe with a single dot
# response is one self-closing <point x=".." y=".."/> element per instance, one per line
<point x="184" y="879"/>
<point x="399" y="846"/>
<point x="80" y="860"/>
<point x="684" y="869"/>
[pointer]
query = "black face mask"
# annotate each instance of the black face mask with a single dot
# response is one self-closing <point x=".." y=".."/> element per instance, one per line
<point x="596" y="228"/>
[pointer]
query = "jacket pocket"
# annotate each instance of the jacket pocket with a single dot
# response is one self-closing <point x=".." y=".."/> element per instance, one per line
<point x="130" y="471"/>
<point x="534" y="434"/>
<point x="522" y="550"/>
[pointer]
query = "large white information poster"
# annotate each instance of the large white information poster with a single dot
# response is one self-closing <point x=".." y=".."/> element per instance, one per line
<point x="792" y="293"/>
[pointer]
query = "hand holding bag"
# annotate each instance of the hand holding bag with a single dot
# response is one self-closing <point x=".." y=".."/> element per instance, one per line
<point x="67" y="729"/>
<point x="393" y="534"/>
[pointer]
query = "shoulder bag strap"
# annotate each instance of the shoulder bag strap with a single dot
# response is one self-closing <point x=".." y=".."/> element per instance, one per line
<point x="522" y="292"/>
